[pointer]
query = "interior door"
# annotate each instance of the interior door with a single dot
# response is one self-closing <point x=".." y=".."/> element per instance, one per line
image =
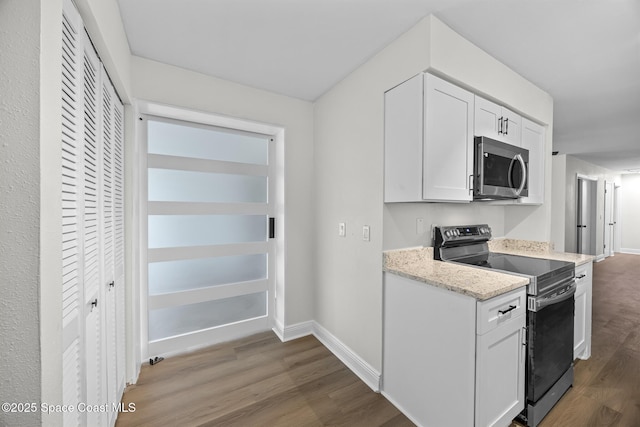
<point x="586" y="216"/>
<point x="210" y="260"/>
<point x="608" y="219"/>
<point x="94" y="302"/>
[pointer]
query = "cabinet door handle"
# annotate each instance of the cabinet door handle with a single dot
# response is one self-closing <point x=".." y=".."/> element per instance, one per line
<point x="507" y="127"/>
<point x="503" y="312"/>
<point x="94" y="304"/>
<point x="582" y="276"/>
<point x="499" y="125"/>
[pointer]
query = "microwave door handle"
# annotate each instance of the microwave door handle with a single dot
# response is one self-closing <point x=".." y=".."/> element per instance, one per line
<point x="511" y="171"/>
<point x="524" y="174"/>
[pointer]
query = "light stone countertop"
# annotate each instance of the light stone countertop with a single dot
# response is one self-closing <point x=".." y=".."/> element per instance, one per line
<point x="418" y="264"/>
<point x="535" y="249"/>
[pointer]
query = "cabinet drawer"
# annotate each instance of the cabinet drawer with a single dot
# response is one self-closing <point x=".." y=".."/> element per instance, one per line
<point x="582" y="273"/>
<point x="496" y="311"/>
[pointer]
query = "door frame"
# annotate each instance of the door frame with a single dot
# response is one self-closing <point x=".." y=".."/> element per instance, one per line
<point x="593" y="207"/>
<point x="137" y="326"/>
<point x="608" y="219"/>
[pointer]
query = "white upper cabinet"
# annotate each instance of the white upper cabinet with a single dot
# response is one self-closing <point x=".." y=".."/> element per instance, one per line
<point x="497" y="122"/>
<point x="533" y="136"/>
<point x="428" y="141"/>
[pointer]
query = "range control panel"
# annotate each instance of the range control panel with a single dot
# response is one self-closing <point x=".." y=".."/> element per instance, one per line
<point x="451" y="235"/>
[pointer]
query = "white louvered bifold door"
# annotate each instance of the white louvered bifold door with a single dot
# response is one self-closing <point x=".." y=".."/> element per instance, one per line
<point x="93" y="231"/>
<point x="93" y="237"/>
<point x="109" y="182"/>
<point x="72" y="271"/>
<point x="118" y="228"/>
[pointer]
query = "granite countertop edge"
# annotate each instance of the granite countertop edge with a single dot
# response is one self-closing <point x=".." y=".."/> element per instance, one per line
<point x="418" y="264"/>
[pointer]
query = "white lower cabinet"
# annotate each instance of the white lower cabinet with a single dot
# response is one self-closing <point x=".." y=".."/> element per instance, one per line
<point x="500" y="365"/>
<point x="582" y="317"/>
<point x="449" y="360"/>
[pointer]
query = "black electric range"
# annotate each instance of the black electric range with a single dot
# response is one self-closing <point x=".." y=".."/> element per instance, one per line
<point x="550" y="311"/>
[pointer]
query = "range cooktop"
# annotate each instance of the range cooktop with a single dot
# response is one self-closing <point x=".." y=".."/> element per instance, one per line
<point x="516" y="264"/>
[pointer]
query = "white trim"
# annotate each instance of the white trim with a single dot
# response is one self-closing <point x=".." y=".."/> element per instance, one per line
<point x="163" y="161"/>
<point x="359" y="366"/>
<point x="630" y="251"/>
<point x="206" y="208"/>
<point x="288" y="333"/>
<point x="190" y="252"/>
<point x="600" y="258"/>
<point x="207" y="337"/>
<point x="211" y="293"/>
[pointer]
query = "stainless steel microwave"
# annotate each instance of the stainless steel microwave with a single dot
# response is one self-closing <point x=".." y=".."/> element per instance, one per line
<point x="501" y="170"/>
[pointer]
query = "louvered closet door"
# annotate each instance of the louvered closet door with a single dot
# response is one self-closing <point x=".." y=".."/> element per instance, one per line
<point x="93" y="230"/>
<point x="113" y="231"/>
<point x="93" y="237"/>
<point x="72" y="183"/>
<point x="118" y="228"/>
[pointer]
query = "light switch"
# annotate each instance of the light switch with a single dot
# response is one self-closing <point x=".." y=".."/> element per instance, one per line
<point x="342" y="229"/>
<point x="365" y="233"/>
<point x="419" y="226"/>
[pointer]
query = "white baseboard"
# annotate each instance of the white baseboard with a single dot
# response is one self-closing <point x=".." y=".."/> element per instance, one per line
<point x="288" y="333"/>
<point x="600" y="258"/>
<point x="630" y="251"/>
<point x="358" y="366"/>
<point x="361" y="368"/>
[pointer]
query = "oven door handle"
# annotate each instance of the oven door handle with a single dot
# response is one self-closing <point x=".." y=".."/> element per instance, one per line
<point x="545" y="302"/>
<point x="523" y="180"/>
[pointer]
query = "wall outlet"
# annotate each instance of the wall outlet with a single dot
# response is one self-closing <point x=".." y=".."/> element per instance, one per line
<point x="342" y="229"/>
<point x="366" y="233"/>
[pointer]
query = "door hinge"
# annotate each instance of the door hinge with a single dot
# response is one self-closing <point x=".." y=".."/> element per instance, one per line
<point x="272" y="228"/>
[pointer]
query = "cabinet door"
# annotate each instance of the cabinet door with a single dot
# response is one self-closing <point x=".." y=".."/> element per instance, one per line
<point x="582" y="317"/>
<point x="496" y="122"/>
<point x="579" y="320"/>
<point x="448" y="141"/>
<point x="533" y="140"/>
<point x="487" y="118"/>
<point x="500" y="365"/>
<point x="511" y="127"/>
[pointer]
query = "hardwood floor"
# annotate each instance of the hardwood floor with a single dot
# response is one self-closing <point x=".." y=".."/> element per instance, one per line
<point x="259" y="381"/>
<point x="606" y="389"/>
<point x="256" y="381"/>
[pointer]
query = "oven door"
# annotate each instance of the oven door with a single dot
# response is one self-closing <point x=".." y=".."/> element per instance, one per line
<point x="501" y="170"/>
<point x="549" y="340"/>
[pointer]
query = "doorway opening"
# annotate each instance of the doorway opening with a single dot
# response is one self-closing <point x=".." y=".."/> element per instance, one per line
<point x="586" y="215"/>
<point x="209" y="252"/>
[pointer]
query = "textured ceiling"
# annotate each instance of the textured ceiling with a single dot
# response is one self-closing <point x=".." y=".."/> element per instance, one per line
<point x="585" y="53"/>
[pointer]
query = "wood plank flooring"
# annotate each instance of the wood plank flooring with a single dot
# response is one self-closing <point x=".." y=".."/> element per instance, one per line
<point x="256" y="381"/>
<point x="606" y="389"/>
<point x="259" y="381"/>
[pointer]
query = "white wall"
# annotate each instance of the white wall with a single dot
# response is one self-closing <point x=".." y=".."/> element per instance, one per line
<point x="629" y="208"/>
<point x="349" y="176"/>
<point x="575" y="166"/>
<point x="348" y="188"/>
<point x="558" y="201"/>
<point x="20" y="367"/>
<point x="165" y="84"/>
